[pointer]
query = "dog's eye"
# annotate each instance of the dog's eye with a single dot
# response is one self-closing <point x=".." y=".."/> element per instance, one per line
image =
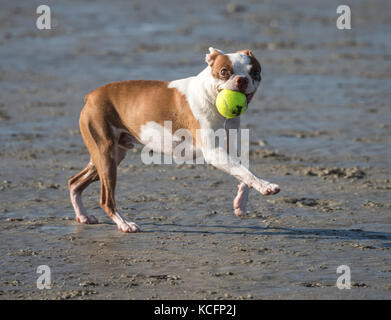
<point x="225" y="73"/>
<point x="255" y="74"/>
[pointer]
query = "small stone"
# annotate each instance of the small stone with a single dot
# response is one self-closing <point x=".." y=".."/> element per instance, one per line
<point x="235" y="8"/>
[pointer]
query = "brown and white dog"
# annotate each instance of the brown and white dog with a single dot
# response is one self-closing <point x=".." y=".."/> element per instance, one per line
<point x="121" y="114"/>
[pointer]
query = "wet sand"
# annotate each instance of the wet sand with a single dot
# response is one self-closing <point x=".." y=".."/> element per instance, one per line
<point x="320" y="127"/>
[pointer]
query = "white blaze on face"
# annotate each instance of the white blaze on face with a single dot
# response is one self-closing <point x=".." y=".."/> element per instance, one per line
<point x="241" y="64"/>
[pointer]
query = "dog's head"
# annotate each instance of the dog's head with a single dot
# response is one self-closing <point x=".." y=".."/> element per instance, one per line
<point x="238" y="71"/>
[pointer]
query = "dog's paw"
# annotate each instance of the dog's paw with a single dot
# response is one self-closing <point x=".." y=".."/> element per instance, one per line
<point x="239" y="212"/>
<point x="87" y="219"/>
<point x="129" y="227"/>
<point x="270" y="189"/>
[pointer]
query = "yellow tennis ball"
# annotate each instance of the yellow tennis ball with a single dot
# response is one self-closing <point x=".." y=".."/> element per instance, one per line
<point x="231" y="104"/>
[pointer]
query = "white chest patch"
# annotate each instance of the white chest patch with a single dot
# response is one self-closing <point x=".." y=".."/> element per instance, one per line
<point x="161" y="140"/>
<point x="156" y="136"/>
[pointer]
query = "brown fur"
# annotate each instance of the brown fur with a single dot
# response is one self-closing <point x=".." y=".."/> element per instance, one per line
<point x="219" y="62"/>
<point x="246" y="52"/>
<point x="131" y="104"/>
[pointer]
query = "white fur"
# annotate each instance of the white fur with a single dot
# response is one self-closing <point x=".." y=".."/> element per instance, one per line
<point x="152" y="134"/>
<point x="200" y="92"/>
<point x="240" y="201"/>
<point x="161" y="139"/>
<point x="124" y="225"/>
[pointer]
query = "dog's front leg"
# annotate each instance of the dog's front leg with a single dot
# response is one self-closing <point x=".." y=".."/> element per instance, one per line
<point x="240" y="201"/>
<point x="232" y="126"/>
<point x="219" y="158"/>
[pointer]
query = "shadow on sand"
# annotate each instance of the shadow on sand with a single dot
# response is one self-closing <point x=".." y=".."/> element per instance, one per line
<point x="347" y="234"/>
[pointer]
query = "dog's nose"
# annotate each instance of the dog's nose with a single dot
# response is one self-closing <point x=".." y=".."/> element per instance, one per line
<point x="241" y="83"/>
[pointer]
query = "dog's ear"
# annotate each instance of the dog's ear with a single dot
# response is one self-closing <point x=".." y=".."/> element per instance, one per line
<point x="247" y="52"/>
<point x="211" y="56"/>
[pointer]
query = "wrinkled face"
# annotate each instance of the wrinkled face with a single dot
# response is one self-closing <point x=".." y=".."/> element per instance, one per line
<point x="238" y="71"/>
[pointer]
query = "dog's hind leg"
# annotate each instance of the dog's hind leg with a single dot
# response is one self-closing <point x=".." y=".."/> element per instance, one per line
<point x="102" y="142"/>
<point x="76" y="186"/>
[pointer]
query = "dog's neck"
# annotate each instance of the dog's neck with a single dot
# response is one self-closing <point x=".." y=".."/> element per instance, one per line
<point x="200" y="86"/>
<point x="205" y="83"/>
<point x="200" y="92"/>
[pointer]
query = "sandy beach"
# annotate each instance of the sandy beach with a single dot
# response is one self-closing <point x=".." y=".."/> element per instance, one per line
<point x="320" y="127"/>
